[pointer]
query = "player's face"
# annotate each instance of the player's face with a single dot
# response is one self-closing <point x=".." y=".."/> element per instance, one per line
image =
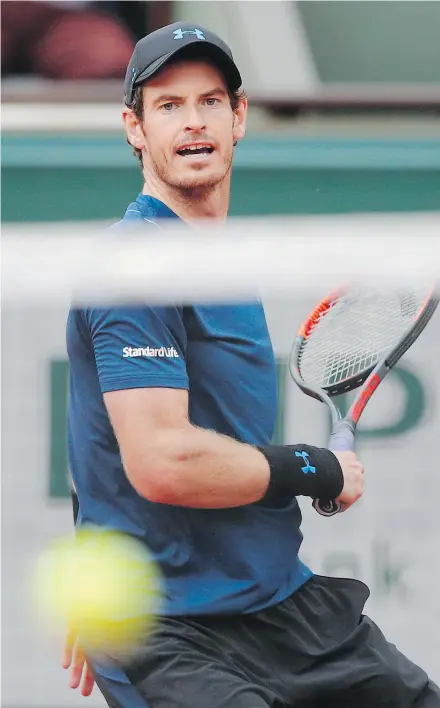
<point x="189" y="126"/>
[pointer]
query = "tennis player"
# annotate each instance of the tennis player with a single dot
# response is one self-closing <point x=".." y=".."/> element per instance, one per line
<point x="171" y="415"/>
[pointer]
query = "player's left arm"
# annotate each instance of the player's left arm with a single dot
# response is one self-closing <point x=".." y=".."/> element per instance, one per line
<point x="73" y="657"/>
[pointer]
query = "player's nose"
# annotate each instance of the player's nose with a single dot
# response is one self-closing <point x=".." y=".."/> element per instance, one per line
<point x="194" y="120"/>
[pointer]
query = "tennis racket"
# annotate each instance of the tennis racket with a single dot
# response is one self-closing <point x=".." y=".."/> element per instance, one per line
<point x="351" y="340"/>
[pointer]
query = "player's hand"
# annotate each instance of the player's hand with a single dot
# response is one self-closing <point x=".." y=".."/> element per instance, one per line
<point x="353" y="472"/>
<point x="74" y="659"/>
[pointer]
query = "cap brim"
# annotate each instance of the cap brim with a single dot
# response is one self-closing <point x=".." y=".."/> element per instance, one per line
<point x="197" y="48"/>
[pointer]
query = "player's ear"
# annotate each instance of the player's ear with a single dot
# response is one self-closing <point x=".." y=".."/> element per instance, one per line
<point x="239" y="125"/>
<point x="133" y="129"/>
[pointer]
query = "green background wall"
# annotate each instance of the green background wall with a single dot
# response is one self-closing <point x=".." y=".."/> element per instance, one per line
<point x="73" y="177"/>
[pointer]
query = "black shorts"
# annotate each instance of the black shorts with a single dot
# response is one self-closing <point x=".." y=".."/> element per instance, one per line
<point x="314" y="650"/>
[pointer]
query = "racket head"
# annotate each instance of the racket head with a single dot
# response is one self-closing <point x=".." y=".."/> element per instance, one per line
<point x="355" y="331"/>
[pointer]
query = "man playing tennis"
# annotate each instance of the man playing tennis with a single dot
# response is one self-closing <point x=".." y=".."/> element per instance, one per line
<point x="171" y="414"/>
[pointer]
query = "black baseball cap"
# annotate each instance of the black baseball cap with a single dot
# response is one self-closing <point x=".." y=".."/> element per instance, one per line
<point x="179" y="39"/>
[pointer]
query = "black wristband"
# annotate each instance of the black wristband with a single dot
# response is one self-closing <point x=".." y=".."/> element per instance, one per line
<point x="301" y="470"/>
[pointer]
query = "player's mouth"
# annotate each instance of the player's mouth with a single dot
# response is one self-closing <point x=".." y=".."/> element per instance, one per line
<point x="196" y="150"/>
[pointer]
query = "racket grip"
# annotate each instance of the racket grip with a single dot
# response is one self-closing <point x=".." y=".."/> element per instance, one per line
<point x="341" y="440"/>
<point x="342" y="437"/>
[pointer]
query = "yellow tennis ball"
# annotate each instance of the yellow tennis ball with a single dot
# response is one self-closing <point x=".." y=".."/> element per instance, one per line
<point x="104" y="585"/>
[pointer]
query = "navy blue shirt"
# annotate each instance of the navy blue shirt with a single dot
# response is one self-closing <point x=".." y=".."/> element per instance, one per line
<point x="214" y="561"/>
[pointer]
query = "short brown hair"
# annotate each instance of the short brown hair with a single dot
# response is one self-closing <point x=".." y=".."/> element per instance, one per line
<point x="137" y="106"/>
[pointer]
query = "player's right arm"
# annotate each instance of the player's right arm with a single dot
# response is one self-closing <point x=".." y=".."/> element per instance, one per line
<point x="166" y="458"/>
<point x="170" y="461"/>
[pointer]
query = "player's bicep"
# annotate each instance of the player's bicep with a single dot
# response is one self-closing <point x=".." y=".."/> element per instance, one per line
<point x="142" y="419"/>
<point x="156" y="408"/>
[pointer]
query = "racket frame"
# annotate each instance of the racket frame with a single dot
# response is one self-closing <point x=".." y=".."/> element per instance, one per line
<point x="367" y="381"/>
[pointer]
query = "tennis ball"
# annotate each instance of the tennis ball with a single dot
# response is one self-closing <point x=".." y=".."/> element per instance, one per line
<point x="102" y="584"/>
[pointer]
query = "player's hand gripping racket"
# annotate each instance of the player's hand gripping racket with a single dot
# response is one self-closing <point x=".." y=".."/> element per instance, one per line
<point x="351" y="340"/>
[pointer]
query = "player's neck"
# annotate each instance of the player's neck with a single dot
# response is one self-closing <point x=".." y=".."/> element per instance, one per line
<point x="195" y="203"/>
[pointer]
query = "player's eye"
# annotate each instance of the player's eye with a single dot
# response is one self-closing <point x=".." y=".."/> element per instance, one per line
<point x="168" y="107"/>
<point x="211" y="101"/>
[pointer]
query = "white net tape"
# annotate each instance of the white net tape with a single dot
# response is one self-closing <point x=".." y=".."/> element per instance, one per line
<point x="271" y="257"/>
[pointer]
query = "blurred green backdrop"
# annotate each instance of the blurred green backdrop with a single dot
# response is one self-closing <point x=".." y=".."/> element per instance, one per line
<point x="80" y="177"/>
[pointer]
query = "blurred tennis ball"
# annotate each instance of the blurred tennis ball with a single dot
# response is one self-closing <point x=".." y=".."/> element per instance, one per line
<point x="104" y="585"/>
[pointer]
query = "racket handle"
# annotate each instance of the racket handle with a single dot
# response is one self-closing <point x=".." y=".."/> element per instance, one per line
<point x="342" y="437"/>
<point x="341" y="440"/>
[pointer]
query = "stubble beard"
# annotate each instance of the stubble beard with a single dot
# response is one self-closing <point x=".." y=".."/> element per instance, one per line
<point x="197" y="186"/>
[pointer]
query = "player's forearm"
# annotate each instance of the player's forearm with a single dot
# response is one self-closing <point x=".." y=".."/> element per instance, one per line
<point x="199" y="468"/>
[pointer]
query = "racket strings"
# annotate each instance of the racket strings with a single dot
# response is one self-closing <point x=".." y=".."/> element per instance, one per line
<point x="354" y="333"/>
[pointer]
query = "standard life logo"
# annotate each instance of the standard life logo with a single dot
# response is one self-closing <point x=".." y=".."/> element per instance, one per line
<point x="162" y="352"/>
